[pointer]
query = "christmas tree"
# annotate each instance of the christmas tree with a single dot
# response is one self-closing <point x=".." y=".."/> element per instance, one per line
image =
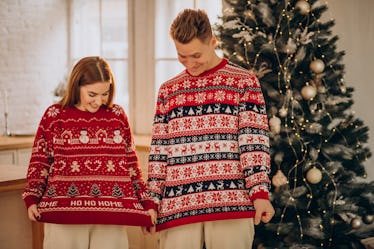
<point x="317" y="145"/>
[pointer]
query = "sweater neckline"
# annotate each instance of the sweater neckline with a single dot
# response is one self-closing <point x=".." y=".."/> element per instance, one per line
<point x="212" y="70"/>
<point x="87" y="113"/>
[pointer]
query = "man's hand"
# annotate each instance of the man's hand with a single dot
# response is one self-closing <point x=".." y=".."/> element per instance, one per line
<point x="264" y="211"/>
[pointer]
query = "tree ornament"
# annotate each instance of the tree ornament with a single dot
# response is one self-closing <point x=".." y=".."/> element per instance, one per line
<point x="249" y="14"/>
<point x="303" y="7"/>
<point x="317" y="66"/>
<point x="356" y="223"/>
<point x="278" y="158"/>
<point x="308" y="92"/>
<point x="282" y="112"/>
<point x="279" y="179"/>
<point x="368" y="219"/>
<point x="274" y="124"/>
<point x="314" y="175"/>
<point x="343" y="89"/>
<point x="321" y="89"/>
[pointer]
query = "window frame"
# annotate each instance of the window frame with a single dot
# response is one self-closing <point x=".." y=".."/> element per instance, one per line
<point x="141" y="64"/>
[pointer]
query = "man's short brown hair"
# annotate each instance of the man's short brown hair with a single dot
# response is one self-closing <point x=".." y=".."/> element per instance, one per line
<point x="190" y="24"/>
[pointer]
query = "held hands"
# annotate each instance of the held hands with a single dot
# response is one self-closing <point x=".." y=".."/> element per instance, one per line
<point x="264" y="211"/>
<point x="33" y="213"/>
<point x="151" y="230"/>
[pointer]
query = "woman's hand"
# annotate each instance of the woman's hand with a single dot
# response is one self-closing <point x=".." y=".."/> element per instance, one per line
<point x="33" y="213"/>
<point x="152" y="229"/>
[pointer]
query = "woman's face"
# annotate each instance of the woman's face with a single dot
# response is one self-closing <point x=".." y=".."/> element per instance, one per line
<point x="92" y="96"/>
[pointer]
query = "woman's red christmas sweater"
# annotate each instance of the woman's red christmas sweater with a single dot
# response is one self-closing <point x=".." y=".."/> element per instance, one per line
<point x="84" y="169"/>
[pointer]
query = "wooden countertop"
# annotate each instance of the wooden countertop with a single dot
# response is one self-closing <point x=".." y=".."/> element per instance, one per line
<point x="142" y="142"/>
<point x="12" y="177"/>
<point x="16" y="142"/>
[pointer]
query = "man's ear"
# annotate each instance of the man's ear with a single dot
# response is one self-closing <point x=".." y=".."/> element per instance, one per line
<point x="213" y="41"/>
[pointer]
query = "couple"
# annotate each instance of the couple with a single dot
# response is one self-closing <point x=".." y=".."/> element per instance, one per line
<point x="209" y="164"/>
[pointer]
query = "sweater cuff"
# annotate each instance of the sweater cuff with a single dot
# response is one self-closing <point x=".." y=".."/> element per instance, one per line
<point x="260" y="195"/>
<point x="150" y="205"/>
<point x="30" y="200"/>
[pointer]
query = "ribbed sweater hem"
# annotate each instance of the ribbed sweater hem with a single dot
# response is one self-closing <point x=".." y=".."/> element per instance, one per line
<point x="204" y="218"/>
<point x="84" y="217"/>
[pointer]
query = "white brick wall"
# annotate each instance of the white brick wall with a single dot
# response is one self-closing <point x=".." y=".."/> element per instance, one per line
<point x="33" y="52"/>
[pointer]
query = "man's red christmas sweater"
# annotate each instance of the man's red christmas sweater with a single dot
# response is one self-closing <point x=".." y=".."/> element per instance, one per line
<point x="209" y="157"/>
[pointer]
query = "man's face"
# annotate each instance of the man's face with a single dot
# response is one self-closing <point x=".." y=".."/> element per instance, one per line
<point x="196" y="56"/>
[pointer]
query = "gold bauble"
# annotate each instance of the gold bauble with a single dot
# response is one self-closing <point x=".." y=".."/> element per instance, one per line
<point x="303" y="7"/>
<point x="314" y="175"/>
<point x="356" y="223"/>
<point x="308" y="92"/>
<point x="317" y="66"/>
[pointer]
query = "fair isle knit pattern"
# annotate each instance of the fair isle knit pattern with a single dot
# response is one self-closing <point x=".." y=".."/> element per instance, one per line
<point x="84" y="169"/>
<point x="209" y="155"/>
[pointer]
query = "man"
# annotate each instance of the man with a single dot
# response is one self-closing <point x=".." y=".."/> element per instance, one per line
<point x="209" y="160"/>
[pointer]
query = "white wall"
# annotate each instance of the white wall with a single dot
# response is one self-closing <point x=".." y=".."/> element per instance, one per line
<point x="355" y="29"/>
<point x="33" y="52"/>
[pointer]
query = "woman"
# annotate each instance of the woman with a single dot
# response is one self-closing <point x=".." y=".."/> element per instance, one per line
<point x="83" y="179"/>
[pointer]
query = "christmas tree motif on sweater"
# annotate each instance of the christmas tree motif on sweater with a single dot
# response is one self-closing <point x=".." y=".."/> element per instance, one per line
<point x="117" y="191"/>
<point x="73" y="190"/>
<point x="136" y="186"/>
<point x="51" y="192"/>
<point x="95" y="190"/>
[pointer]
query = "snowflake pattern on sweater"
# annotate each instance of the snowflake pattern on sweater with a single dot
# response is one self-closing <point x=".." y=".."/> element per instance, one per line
<point x="84" y="169"/>
<point x="209" y="156"/>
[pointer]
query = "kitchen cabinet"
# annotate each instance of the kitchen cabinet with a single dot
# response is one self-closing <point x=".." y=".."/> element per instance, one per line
<point x="15" y="149"/>
<point x="15" y="156"/>
<point x="8" y="156"/>
<point x="17" y="231"/>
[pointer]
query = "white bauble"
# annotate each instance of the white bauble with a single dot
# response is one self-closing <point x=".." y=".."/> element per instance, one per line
<point x="317" y="66"/>
<point x="274" y="124"/>
<point x="303" y="7"/>
<point x="308" y="92"/>
<point x="314" y="175"/>
<point x="282" y="112"/>
<point x="279" y="179"/>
